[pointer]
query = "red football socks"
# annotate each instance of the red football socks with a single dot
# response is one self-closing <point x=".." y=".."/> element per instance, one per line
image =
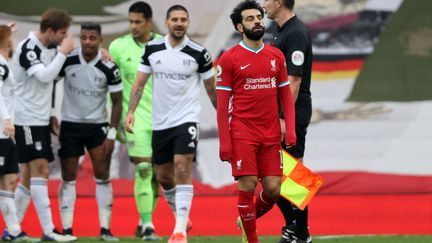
<point x="263" y="203"/>
<point x="246" y="210"/>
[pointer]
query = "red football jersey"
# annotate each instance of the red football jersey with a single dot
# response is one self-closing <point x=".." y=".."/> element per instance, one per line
<point x="253" y="77"/>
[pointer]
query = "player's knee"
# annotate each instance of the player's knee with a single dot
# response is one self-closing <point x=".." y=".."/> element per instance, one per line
<point x="144" y="169"/>
<point x="165" y="180"/>
<point x="10" y="184"/>
<point x="272" y="189"/>
<point x="101" y="175"/>
<point x="69" y="175"/>
<point x="248" y="183"/>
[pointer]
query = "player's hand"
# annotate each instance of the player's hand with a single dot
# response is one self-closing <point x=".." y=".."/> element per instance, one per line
<point x="225" y="153"/>
<point x="12" y="26"/>
<point x="290" y="139"/>
<point x="105" y="55"/>
<point x="55" y="126"/>
<point x="108" y="147"/>
<point x="9" y="128"/>
<point x="66" y="46"/>
<point x="130" y="121"/>
<point x="283" y="128"/>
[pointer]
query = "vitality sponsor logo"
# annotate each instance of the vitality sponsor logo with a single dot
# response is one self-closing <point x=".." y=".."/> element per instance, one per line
<point x="260" y="83"/>
<point x="85" y="92"/>
<point x="172" y="76"/>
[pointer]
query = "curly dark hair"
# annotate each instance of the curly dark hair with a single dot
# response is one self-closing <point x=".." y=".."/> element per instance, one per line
<point x="235" y="15"/>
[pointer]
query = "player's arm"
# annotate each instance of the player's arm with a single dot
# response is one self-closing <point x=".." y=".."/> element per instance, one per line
<point x="223" y="98"/>
<point x="224" y="92"/>
<point x="5" y="117"/>
<point x="210" y="86"/>
<point x="206" y="72"/>
<point x="46" y="74"/>
<point x="116" y="98"/>
<point x="116" y="110"/>
<point x="135" y="97"/>
<point x="287" y="102"/>
<point x="295" y="55"/>
<point x="295" y="82"/>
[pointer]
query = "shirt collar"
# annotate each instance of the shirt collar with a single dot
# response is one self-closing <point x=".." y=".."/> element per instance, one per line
<point x="92" y="62"/>
<point x="32" y="36"/>
<point x="178" y="47"/>
<point x="290" y="20"/>
<point x="242" y="44"/>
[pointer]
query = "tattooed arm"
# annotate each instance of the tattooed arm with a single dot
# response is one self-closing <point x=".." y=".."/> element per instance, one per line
<point x="134" y="99"/>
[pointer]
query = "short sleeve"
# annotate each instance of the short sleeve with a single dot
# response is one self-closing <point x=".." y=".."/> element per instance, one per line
<point x="205" y="65"/>
<point x="224" y="74"/>
<point x="295" y="53"/>
<point x="4" y="72"/>
<point x="30" y="58"/>
<point x="282" y="78"/>
<point x="144" y="65"/>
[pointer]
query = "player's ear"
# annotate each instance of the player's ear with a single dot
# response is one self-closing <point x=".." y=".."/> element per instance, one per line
<point x="239" y="27"/>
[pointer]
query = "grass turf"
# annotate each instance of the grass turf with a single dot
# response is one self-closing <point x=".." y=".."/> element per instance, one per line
<point x="272" y="239"/>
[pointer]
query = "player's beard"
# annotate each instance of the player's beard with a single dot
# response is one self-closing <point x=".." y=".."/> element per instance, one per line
<point x="254" y="34"/>
<point x="10" y="54"/>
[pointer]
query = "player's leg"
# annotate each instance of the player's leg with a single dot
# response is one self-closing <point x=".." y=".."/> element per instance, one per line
<point x="8" y="178"/>
<point x="270" y="171"/>
<point x="163" y="156"/>
<point x="140" y="152"/>
<point x="300" y="217"/>
<point x="71" y="148"/>
<point x="185" y="144"/>
<point x="22" y="192"/>
<point x="37" y="148"/>
<point x="8" y="208"/>
<point x="244" y="169"/>
<point x="7" y="205"/>
<point x="101" y="161"/>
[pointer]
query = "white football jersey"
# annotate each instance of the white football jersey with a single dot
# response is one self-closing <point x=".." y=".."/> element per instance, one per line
<point x="177" y="75"/>
<point x="7" y="87"/>
<point x="33" y="98"/>
<point x="86" y="85"/>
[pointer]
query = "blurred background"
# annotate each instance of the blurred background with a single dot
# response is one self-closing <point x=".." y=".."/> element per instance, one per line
<point x="370" y="136"/>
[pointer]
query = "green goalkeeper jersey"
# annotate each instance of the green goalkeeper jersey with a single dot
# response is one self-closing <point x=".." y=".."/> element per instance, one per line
<point x="127" y="53"/>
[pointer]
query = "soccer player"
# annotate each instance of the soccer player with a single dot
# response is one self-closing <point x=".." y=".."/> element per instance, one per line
<point x="294" y="41"/>
<point x="126" y="52"/>
<point x="178" y="65"/>
<point x="251" y="74"/>
<point x="8" y="156"/>
<point x="87" y="80"/>
<point x="36" y="63"/>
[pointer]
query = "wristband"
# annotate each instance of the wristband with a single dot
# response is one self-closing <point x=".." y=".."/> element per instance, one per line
<point x="112" y="133"/>
<point x="53" y="111"/>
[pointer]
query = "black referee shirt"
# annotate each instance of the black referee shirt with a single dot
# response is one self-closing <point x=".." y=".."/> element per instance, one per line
<point x="294" y="41"/>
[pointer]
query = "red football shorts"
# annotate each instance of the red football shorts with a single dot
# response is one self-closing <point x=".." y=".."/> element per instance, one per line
<point x="256" y="158"/>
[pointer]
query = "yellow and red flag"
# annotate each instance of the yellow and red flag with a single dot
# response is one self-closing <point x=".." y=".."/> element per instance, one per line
<point x="299" y="183"/>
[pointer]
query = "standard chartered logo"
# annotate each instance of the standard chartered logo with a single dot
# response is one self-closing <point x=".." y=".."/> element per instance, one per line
<point x="260" y="83"/>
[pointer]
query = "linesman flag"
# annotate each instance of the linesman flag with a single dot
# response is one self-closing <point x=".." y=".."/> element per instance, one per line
<point x="299" y="184"/>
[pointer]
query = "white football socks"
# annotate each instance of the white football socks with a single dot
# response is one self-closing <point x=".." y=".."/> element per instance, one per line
<point x="22" y="201"/>
<point x="8" y="209"/>
<point x="39" y="194"/>
<point x="67" y="198"/>
<point x="104" y="198"/>
<point x="183" y="201"/>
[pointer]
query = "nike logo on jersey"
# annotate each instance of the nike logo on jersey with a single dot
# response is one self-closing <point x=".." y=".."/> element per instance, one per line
<point x="245" y="66"/>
